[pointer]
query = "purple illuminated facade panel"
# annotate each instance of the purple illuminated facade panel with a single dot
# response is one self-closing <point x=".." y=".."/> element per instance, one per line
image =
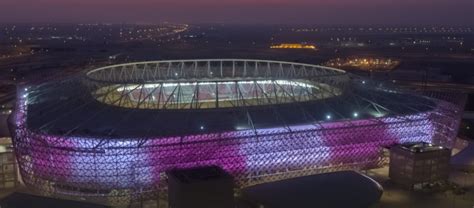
<point x="93" y="167"/>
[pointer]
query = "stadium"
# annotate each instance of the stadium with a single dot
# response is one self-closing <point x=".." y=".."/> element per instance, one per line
<point x="113" y="132"/>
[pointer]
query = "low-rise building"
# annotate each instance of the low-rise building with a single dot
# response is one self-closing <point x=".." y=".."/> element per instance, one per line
<point x="418" y="163"/>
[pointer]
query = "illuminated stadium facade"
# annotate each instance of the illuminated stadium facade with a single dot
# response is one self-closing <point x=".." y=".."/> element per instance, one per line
<point x="113" y="132"/>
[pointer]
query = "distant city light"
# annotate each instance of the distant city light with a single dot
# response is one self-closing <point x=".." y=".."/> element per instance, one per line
<point x="356" y="114"/>
<point x="293" y="46"/>
<point x="364" y="63"/>
<point x="328" y="117"/>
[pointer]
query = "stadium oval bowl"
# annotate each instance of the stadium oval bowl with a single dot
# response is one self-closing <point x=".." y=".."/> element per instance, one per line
<point x="111" y="133"/>
<point x="214" y="83"/>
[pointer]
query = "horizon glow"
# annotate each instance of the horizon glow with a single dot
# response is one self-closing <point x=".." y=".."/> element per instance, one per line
<point x="413" y="12"/>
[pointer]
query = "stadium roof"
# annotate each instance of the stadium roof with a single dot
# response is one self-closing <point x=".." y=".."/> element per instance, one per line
<point x="270" y="96"/>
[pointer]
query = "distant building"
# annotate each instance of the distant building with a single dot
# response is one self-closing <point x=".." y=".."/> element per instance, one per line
<point x="294" y="46"/>
<point x="417" y="163"/>
<point x="364" y="63"/>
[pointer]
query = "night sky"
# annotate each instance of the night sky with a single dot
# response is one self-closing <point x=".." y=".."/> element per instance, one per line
<point x="413" y="12"/>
